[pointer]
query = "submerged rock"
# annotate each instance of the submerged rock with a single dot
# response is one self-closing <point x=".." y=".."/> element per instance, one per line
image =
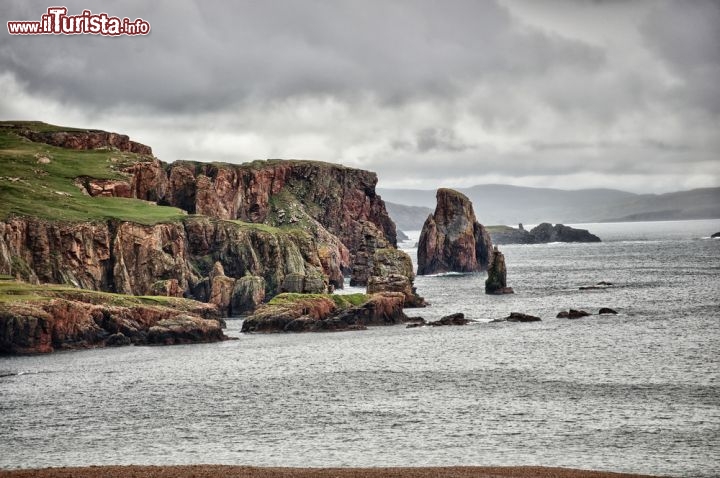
<point x="496" y="282"/>
<point x="572" y="314"/>
<point x="599" y="286"/>
<point x="452" y="240"/>
<point x="518" y="317"/>
<point x="415" y="322"/>
<point x="607" y="310"/>
<point x="457" y="318"/>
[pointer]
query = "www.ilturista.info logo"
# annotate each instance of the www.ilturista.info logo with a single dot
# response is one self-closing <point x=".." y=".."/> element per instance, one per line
<point x="57" y="22"/>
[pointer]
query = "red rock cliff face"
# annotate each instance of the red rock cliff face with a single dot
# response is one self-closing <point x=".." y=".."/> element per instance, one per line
<point x="167" y="259"/>
<point x="452" y="239"/>
<point x="91" y="139"/>
<point x="37" y="250"/>
<point x="274" y="192"/>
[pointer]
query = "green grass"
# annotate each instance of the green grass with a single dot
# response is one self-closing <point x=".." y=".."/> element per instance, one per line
<point x="257" y="226"/>
<point x="15" y="291"/>
<point x="40" y="126"/>
<point x="342" y="301"/>
<point x="29" y="188"/>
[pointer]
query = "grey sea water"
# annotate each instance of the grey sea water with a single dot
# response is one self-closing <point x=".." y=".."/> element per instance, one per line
<point x="636" y="392"/>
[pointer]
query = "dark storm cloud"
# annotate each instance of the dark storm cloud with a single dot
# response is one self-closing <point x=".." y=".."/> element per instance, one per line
<point x="203" y="55"/>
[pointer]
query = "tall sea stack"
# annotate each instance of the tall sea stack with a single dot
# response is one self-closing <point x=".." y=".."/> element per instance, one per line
<point x="452" y="240"/>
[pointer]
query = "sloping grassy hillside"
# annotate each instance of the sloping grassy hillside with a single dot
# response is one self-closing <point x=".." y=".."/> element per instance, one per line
<point x="32" y="186"/>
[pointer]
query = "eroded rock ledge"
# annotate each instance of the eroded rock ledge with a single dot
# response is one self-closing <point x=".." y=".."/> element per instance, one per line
<point x="41" y="319"/>
<point x="326" y="312"/>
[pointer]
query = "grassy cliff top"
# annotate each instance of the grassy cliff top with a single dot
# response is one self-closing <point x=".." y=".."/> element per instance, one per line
<point x="342" y="301"/>
<point x="37" y="179"/>
<point x="12" y="291"/>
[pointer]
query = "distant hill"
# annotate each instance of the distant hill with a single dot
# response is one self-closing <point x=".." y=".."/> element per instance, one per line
<point x="408" y="218"/>
<point x="502" y="204"/>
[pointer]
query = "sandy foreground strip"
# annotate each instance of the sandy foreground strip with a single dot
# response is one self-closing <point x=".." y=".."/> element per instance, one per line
<point x="208" y="471"/>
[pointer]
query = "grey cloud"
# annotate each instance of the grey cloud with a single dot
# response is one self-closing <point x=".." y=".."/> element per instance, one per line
<point x="417" y="90"/>
<point x="686" y="36"/>
<point x="443" y="139"/>
<point x="211" y="54"/>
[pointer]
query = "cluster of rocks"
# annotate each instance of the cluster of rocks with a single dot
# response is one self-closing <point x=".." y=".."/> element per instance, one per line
<point x="457" y="318"/>
<point x="540" y="234"/>
<point x="578" y="314"/>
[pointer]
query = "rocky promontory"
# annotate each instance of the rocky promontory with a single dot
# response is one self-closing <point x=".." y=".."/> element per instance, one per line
<point x="96" y="211"/>
<point x="540" y="234"/>
<point x="41" y="319"/>
<point x="452" y="240"/>
<point x="326" y="312"/>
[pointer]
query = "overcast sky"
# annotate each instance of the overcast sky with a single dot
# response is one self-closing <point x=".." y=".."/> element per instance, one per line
<point x="568" y="94"/>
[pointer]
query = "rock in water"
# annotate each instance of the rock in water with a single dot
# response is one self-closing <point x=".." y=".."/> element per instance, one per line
<point x="518" y="317"/>
<point x="457" y="318"/>
<point x="572" y="314"/>
<point x="607" y="310"/>
<point x="716" y="235"/>
<point x="546" y="232"/>
<point x="452" y="240"/>
<point x="496" y="282"/>
<point x="392" y="271"/>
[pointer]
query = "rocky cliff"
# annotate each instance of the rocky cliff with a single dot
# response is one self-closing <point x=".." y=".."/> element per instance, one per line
<point x="100" y="213"/>
<point x="452" y="239"/>
<point x="311" y="194"/>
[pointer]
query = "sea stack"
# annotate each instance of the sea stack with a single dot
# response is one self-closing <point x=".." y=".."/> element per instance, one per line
<point x="496" y="282"/>
<point x="452" y="240"/>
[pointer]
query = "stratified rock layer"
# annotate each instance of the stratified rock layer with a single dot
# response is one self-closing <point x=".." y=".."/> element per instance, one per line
<point x="451" y="239"/>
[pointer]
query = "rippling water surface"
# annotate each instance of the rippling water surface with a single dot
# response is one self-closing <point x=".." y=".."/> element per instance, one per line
<point x="637" y="392"/>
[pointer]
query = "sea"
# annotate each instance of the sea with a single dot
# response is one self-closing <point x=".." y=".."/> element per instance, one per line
<point x="634" y="392"/>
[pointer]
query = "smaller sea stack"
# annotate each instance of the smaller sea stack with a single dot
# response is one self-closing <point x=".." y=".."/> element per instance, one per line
<point x="496" y="282"/>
